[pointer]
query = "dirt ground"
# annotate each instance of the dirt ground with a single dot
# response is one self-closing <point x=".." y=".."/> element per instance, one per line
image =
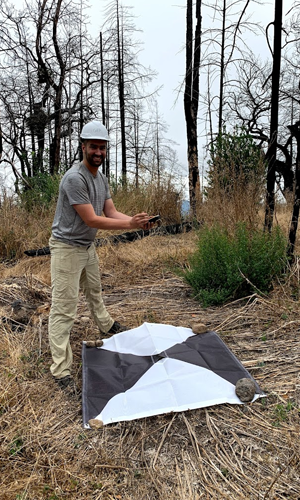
<point x="223" y="452"/>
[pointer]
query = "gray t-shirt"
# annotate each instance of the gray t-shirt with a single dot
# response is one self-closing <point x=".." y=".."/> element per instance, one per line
<point x="78" y="186"/>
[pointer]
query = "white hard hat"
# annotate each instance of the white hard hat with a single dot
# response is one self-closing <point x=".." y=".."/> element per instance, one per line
<point x="94" y="130"/>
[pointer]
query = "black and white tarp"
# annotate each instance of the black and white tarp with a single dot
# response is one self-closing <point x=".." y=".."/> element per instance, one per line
<point x="155" y="369"/>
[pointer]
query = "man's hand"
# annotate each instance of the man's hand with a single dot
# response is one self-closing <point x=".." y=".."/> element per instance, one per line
<point x="153" y="219"/>
<point x="139" y="220"/>
<point x="113" y="219"/>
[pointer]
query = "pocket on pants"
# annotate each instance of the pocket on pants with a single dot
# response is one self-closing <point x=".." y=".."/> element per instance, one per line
<point x="65" y="272"/>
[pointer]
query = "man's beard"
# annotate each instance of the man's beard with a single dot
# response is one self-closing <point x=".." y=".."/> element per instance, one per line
<point x="92" y="162"/>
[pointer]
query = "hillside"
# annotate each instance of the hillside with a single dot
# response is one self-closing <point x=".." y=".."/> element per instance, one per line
<point x="222" y="452"/>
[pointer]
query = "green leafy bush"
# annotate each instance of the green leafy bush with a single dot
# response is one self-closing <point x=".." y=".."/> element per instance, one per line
<point x="229" y="266"/>
<point x="39" y="191"/>
<point x="235" y="181"/>
<point x="235" y="161"/>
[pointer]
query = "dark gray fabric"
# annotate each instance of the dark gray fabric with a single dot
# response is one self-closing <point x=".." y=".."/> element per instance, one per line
<point x="107" y="373"/>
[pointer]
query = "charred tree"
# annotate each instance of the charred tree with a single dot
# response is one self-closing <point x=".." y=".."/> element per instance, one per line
<point x="191" y="99"/>
<point x="222" y="68"/>
<point x="121" y="93"/>
<point x="295" y="132"/>
<point x="105" y="170"/>
<point x="272" y="146"/>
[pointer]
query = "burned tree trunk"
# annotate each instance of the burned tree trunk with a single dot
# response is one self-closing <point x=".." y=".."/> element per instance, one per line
<point x="295" y="132"/>
<point x="191" y="100"/>
<point x="121" y="93"/>
<point x="272" y="148"/>
<point x="222" y="68"/>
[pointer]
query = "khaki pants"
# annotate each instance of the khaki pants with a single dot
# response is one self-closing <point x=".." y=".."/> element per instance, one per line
<point x="72" y="267"/>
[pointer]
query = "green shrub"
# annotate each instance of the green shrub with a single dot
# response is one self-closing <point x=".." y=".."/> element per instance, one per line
<point x="235" y="160"/>
<point x="43" y="191"/>
<point x="229" y="266"/>
<point x="235" y="181"/>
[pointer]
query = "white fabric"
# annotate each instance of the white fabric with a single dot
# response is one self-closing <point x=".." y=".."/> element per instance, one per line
<point x="170" y="385"/>
<point x="147" y="339"/>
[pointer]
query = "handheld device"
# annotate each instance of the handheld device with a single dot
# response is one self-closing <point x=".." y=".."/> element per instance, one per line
<point x="155" y="218"/>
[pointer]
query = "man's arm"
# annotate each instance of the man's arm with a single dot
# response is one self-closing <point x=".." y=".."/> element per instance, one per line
<point x="111" y="211"/>
<point x="112" y="220"/>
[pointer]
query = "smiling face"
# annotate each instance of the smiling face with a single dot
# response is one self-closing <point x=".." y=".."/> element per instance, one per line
<point x="94" y="153"/>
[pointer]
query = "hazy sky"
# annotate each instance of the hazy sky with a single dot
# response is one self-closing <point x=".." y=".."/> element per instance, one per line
<point x="163" y="25"/>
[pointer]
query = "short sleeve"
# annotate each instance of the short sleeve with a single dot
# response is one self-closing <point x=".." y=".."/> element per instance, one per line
<point x="76" y="190"/>
<point x="107" y="190"/>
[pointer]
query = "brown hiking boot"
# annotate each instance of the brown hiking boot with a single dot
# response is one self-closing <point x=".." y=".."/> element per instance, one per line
<point x="67" y="385"/>
<point x="117" y="328"/>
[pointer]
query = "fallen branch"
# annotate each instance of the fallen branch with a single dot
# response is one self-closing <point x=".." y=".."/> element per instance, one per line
<point x="126" y="237"/>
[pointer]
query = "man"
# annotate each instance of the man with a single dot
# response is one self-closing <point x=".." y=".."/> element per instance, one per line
<point x="83" y="196"/>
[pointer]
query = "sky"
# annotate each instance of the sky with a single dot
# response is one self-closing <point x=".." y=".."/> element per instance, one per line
<point x="163" y="30"/>
<point x="163" y="26"/>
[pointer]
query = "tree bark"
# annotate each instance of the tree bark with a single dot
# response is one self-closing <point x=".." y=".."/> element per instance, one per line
<point x="272" y="147"/>
<point x="222" y="68"/>
<point x="295" y="132"/>
<point x="191" y="100"/>
<point x="102" y="93"/>
<point x="121" y="94"/>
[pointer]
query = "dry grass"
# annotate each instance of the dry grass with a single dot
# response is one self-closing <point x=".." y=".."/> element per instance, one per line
<point x="20" y="228"/>
<point x="242" y="206"/>
<point x="222" y="452"/>
<point x="163" y="199"/>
